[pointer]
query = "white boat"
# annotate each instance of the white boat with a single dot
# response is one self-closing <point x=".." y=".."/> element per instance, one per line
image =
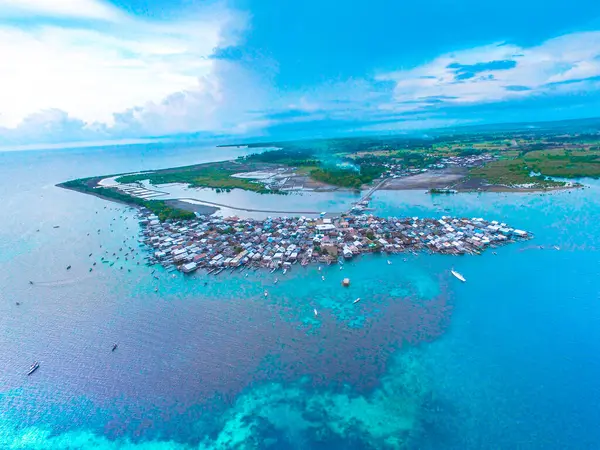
<point x="389" y="262"/>
<point x="556" y="247"/>
<point x="458" y="275"/>
<point x="284" y="271"/>
<point x="316" y="313"/>
<point x="323" y="278"/>
<point x="276" y="280"/>
<point x="266" y="294"/>
<point x="357" y="300"/>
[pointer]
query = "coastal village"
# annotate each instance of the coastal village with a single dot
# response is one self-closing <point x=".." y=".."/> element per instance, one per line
<point x="394" y="170"/>
<point x="215" y="243"/>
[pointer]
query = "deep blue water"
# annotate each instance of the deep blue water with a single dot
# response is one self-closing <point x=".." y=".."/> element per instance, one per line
<point x="507" y="360"/>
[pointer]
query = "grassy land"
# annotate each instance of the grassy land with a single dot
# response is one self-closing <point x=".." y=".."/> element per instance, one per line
<point x="565" y="163"/>
<point x="213" y="175"/>
<point x="158" y="207"/>
<point x="560" y="162"/>
<point x="511" y="172"/>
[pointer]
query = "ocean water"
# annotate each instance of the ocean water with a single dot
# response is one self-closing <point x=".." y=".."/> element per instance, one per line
<point x="507" y="360"/>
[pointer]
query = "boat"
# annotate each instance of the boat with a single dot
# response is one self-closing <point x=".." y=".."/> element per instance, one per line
<point x="276" y="280"/>
<point x="316" y="312"/>
<point x="323" y="278"/>
<point x="114" y="347"/>
<point x="284" y="271"/>
<point x="68" y="267"/>
<point x="266" y="294"/>
<point x="357" y="300"/>
<point x="458" y="275"/>
<point x="30" y="282"/>
<point x="33" y="368"/>
<point x="389" y="262"/>
<point x="556" y="247"/>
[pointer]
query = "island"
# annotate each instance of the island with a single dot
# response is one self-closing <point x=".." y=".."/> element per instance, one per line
<point x="216" y="243"/>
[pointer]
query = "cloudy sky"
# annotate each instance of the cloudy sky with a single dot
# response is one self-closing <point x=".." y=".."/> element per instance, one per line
<point x="83" y="70"/>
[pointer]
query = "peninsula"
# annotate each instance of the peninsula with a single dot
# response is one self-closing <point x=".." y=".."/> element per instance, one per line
<point x="186" y="234"/>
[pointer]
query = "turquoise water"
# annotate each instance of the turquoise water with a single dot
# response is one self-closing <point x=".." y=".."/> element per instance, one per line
<point x="507" y="360"/>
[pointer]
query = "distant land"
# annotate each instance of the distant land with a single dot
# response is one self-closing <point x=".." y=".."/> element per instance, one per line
<point x="501" y="158"/>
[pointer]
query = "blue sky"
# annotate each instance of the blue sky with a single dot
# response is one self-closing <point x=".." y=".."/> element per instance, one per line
<point x="87" y="70"/>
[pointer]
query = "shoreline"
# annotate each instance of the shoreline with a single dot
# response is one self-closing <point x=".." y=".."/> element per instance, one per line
<point x="100" y="196"/>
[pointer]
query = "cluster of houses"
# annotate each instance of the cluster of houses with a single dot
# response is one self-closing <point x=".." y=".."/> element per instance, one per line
<point x="216" y="243"/>
<point x="465" y="161"/>
<point x="400" y="170"/>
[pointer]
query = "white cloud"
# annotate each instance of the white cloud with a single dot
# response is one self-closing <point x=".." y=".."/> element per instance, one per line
<point x="566" y="58"/>
<point x="133" y="67"/>
<point x="87" y="9"/>
<point x="91" y="75"/>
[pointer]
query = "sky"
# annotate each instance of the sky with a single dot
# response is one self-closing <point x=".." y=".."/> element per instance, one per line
<point x="96" y="70"/>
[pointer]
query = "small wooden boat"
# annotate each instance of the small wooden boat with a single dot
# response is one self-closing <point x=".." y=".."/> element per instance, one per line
<point x="33" y="368"/>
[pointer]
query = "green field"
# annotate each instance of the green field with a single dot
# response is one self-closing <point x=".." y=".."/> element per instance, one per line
<point x="558" y="162"/>
<point x="565" y="163"/>
<point x="511" y="172"/>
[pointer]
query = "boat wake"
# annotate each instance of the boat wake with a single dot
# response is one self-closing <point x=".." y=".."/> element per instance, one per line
<point x="59" y="283"/>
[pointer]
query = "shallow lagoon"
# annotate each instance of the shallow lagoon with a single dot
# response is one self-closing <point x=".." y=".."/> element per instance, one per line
<point x="295" y="201"/>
